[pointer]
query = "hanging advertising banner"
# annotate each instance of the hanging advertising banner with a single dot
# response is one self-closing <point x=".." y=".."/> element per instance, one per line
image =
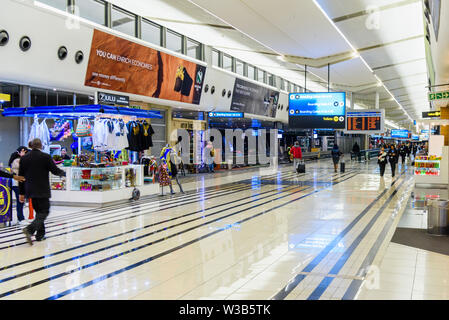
<point x="251" y="98"/>
<point x="315" y="110"/>
<point x="5" y="200"/>
<point x="121" y="65"/>
<point x="365" y="121"/>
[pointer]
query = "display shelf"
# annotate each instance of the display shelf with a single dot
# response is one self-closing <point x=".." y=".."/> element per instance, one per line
<point x="108" y="178"/>
<point x="58" y="183"/>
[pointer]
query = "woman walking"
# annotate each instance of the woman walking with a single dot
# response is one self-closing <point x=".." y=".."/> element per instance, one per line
<point x="335" y="156"/>
<point x="14" y="162"/>
<point x="393" y="158"/>
<point x="382" y="161"/>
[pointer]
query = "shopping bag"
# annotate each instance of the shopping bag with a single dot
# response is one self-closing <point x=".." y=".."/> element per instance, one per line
<point x="83" y="128"/>
<point x="342" y="167"/>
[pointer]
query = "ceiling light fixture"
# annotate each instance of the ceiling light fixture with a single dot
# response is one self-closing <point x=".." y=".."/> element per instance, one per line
<point x="356" y="52"/>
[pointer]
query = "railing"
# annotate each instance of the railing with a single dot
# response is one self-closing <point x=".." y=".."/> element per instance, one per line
<point x="365" y="154"/>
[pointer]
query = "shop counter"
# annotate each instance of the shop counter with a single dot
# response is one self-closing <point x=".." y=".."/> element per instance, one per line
<point x="97" y="186"/>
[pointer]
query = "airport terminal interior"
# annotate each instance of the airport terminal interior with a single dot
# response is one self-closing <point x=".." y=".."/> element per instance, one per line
<point x="224" y="150"/>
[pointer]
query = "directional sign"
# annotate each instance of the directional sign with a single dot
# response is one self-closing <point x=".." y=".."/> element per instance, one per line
<point x="431" y="114"/>
<point x="439" y="95"/>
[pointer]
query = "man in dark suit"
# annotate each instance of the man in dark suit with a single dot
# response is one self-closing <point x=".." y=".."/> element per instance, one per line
<point x="35" y="166"/>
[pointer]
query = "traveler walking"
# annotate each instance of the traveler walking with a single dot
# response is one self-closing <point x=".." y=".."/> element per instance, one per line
<point x="403" y="152"/>
<point x="13" y="163"/>
<point x="35" y="166"/>
<point x="211" y="150"/>
<point x="356" y="151"/>
<point x="393" y="158"/>
<point x="382" y="161"/>
<point x="336" y="156"/>
<point x="297" y="155"/>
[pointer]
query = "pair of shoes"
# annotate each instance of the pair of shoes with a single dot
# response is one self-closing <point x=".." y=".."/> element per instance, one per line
<point x="41" y="239"/>
<point x="28" y="236"/>
<point x="172" y="192"/>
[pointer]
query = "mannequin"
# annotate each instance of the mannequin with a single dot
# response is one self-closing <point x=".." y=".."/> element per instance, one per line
<point x="168" y="170"/>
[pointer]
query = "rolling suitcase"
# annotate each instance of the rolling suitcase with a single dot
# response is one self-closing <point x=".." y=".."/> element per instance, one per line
<point x="342" y="167"/>
<point x="301" y="168"/>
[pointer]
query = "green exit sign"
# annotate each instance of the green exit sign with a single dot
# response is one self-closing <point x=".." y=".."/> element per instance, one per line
<point x="438" y="95"/>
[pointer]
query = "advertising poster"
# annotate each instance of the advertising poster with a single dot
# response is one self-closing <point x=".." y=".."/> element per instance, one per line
<point x="252" y="98"/>
<point x="121" y="65"/>
<point x="315" y="110"/>
<point x="5" y="200"/>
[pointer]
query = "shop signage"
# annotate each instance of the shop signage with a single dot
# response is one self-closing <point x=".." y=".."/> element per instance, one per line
<point x="226" y="115"/>
<point x="431" y="114"/>
<point x="415" y="137"/>
<point x="112" y="99"/>
<point x="365" y="121"/>
<point x="121" y="65"/>
<point x="399" y="133"/>
<point x="5" y="97"/>
<point x="426" y="131"/>
<point x="254" y="99"/>
<point x="317" y="110"/>
<point x="439" y="95"/>
<point x="5" y="200"/>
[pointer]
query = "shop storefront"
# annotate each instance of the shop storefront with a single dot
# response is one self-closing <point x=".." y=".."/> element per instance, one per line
<point x="105" y="164"/>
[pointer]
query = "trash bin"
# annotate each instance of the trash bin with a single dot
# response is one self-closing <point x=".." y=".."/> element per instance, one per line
<point x="438" y="217"/>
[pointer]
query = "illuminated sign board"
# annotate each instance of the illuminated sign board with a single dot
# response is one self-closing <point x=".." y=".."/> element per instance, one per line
<point x="317" y="110"/>
<point x="431" y="114"/>
<point x="365" y="121"/>
<point x="399" y="133"/>
<point x="226" y="114"/>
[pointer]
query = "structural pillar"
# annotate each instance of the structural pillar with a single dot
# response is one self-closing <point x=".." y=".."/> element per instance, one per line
<point x="444" y="130"/>
<point x="25" y="123"/>
<point x="376" y="106"/>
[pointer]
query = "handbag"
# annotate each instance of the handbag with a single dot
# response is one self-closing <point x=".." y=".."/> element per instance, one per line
<point x="83" y="128"/>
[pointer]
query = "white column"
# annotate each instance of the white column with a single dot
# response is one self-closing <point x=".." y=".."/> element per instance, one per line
<point x="377" y="100"/>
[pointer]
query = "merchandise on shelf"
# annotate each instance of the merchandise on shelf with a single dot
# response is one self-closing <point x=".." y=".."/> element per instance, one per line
<point x="427" y="165"/>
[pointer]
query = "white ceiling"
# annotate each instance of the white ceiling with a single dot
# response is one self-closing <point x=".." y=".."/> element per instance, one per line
<point x="257" y="31"/>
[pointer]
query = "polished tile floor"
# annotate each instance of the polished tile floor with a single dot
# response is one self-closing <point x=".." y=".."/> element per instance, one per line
<point x="259" y="234"/>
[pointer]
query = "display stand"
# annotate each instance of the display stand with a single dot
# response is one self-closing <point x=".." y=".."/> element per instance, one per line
<point x="98" y="186"/>
<point x="431" y="173"/>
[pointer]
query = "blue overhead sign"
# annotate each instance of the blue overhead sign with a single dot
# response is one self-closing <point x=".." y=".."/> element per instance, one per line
<point x="226" y="114"/>
<point x="317" y="110"/>
<point x="398" y="133"/>
<point x="426" y="131"/>
<point x="415" y="137"/>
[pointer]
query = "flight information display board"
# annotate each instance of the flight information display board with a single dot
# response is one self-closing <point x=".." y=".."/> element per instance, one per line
<point x="365" y="121"/>
<point x="315" y="110"/>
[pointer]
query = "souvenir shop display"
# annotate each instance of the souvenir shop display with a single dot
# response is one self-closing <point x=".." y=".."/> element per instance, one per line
<point x="103" y="138"/>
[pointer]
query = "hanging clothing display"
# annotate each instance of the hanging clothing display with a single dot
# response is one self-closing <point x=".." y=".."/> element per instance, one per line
<point x="121" y="133"/>
<point x="139" y="135"/>
<point x="109" y="134"/>
<point x="40" y="131"/>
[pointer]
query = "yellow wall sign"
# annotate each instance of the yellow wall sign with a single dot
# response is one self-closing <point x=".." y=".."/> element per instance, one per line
<point x="5" y="97"/>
